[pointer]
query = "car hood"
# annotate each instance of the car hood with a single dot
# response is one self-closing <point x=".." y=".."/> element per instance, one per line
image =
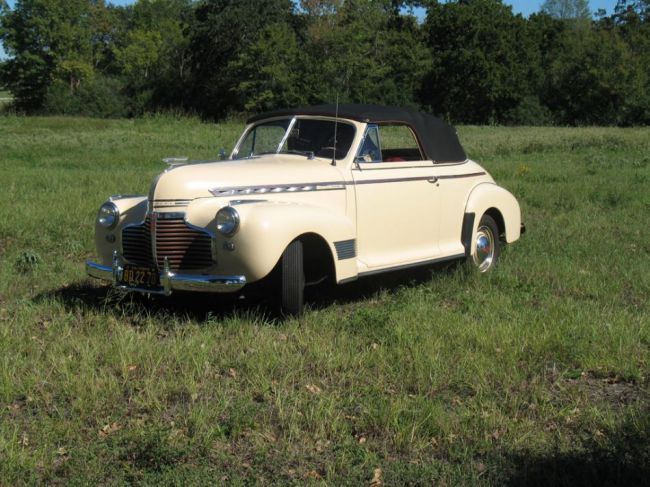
<point x="196" y="180"/>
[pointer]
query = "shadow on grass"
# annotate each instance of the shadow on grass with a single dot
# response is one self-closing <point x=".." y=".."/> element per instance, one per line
<point x="257" y="300"/>
<point x="323" y="296"/>
<point x="622" y="458"/>
<point x="90" y="295"/>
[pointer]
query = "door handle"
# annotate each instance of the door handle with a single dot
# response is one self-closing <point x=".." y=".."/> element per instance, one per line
<point x="432" y="179"/>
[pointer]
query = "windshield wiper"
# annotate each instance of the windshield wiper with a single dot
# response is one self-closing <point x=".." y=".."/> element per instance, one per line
<point x="309" y="154"/>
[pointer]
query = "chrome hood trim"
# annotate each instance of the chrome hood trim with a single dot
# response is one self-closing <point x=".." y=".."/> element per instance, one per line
<point x="277" y="188"/>
<point x="277" y="173"/>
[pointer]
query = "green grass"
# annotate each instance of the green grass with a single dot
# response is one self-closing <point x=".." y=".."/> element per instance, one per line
<point x="5" y="98"/>
<point x="536" y="373"/>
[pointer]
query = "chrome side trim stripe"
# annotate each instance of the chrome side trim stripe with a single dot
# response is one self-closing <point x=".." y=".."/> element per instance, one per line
<point x="468" y="175"/>
<point x="278" y="188"/>
<point x="322" y="186"/>
<point x="414" y="264"/>
<point x="419" y="178"/>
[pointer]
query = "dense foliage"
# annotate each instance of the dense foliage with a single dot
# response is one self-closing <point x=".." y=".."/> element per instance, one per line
<point x="471" y="61"/>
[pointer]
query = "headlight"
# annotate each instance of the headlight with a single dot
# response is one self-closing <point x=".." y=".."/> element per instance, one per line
<point x="227" y="221"/>
<point x="108" y="215"/>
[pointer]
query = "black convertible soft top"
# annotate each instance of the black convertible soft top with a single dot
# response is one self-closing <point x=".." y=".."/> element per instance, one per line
<point x="438" y="139"/>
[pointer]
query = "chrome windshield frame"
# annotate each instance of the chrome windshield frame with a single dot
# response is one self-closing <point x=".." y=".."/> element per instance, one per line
<point x="292" y="122"/>
<point x="235" y="153"/>
<point x="286" y="134"/>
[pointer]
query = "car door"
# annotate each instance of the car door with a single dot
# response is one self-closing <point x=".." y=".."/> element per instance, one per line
<point x="397" y="200"/>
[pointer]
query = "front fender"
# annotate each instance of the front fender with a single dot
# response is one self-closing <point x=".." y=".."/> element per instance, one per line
<point x="486" y="196"/>
<point x="266" y="228"/>
<point x="133" y="210"/>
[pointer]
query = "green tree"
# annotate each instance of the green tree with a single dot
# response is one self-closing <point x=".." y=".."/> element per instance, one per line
<point x="220" y="31"/>
<point x="545" y="36"/>
<point x="140" y="54"/>
<point x="567" y="9"/>
<point x="631" y="20"/>
<point x="343" y="52"/>
<point x="168" y="78"/>
<point x="107" y="25"/>
<point x="363" y="52"/>
<point x="46" y="40"/>
<point x="595" y="80"/>
<point x="482" y="57"/>
<point x="269" y="71"/>
<point x="150" y="52"/>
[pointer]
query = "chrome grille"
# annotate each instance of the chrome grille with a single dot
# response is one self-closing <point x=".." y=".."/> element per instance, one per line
<point x="136" y="244"/>
<point x="185" y="248"/>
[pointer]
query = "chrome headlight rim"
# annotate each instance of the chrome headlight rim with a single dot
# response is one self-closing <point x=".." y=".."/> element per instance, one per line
<point x="108" y="215"/>
<point x="227" y="221"/>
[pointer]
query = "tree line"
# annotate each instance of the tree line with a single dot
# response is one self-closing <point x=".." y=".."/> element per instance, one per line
<point x="470" y="61"/>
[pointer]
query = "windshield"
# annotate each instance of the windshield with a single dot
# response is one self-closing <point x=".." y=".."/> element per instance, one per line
<point x="298" y="136"/>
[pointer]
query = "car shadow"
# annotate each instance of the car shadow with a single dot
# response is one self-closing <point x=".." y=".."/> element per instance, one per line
<point x="201" y="307"/>
<point x="364" y="288"/>
<point x="623" y="459"/>
<point x="259" y="301"/>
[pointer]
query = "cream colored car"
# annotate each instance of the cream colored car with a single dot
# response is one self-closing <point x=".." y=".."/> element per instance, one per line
<point x="308" y="194"/>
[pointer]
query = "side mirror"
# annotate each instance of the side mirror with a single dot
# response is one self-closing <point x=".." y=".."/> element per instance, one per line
<point x="222" y="154"/>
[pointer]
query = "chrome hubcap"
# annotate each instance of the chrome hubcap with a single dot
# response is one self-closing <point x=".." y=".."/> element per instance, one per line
<point x="484" y="248"/>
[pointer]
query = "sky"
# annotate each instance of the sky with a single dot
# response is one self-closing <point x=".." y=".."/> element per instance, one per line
<point x="524" y="7"/>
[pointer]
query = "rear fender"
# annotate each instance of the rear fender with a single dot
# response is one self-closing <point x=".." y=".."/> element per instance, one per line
<point x="489" y="197"/>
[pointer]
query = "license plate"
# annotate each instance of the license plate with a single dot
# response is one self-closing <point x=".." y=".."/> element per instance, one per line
<point x="140" y="277"/>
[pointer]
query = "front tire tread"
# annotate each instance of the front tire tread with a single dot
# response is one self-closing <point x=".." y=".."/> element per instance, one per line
<point x="293" y="279"/>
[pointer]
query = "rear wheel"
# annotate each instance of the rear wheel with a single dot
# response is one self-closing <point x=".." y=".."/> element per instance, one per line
<point x="293" y="279"/>
<point x="486" y="246"/>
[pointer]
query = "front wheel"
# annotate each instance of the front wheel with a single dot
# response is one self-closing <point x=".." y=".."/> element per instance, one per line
<point x="293" y="279"/>
<point x="486" y="246"/>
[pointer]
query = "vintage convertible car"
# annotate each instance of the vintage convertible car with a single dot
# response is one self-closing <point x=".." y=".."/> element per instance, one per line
<point x="307" y="194"/>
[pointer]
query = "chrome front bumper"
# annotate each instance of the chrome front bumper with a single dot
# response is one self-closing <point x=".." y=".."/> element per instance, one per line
<point x="169" y="280"/>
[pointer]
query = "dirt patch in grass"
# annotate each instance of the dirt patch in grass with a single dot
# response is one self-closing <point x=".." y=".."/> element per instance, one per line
<point x="613" y="391"/>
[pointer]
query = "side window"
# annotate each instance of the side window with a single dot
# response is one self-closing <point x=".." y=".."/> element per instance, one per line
<point x="398" y="143"/>
<point x="370" y="149"/>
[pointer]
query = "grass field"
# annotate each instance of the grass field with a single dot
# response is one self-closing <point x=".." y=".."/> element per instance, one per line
<point x="5" y="98"/>
<point x="537" y="373"/>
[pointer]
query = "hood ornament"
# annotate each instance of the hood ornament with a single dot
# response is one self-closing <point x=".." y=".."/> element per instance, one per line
<point x="176" y="161"/>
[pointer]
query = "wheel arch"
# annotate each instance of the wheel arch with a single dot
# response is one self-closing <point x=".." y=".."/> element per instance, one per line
<point x="498" y="219"/>
<point x="500" y="204"/>
<point x="318" y="259"/>
<point x="268" y="228"/>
